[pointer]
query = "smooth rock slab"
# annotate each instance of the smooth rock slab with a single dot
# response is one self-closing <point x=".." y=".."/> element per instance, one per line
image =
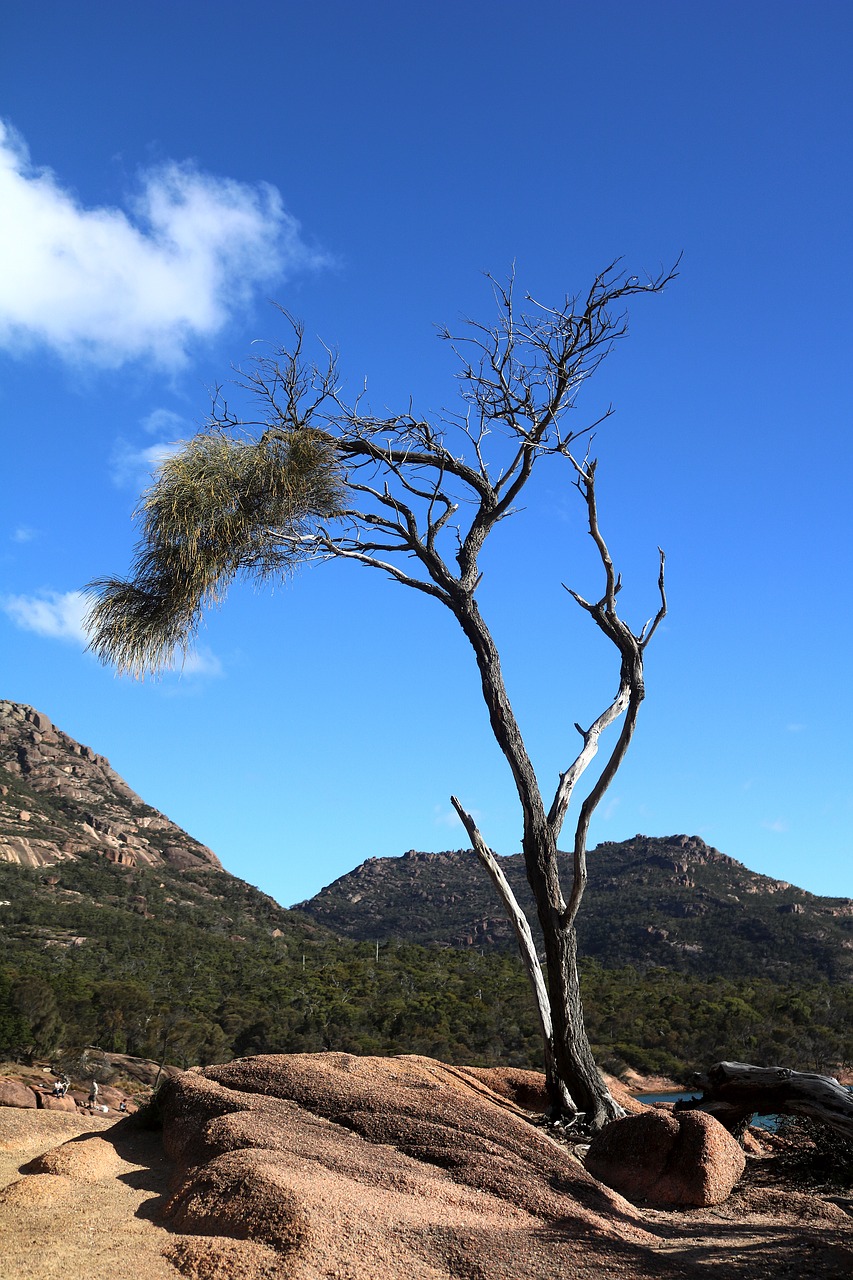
<point x="683" y="1158"/>
<point x="47" y="1102"/>
<point x="375" y="1169"/>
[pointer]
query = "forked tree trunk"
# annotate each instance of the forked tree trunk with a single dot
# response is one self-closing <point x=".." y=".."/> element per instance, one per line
<point x="575" y="1083"/>
<point x="562" y="1103"/>
<point x="575" y="1063"/>
<point x="575" y="1067"/>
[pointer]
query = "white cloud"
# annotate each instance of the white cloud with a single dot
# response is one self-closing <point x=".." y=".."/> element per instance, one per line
<point x="50" y="613"/>
<point x="136" y="467"/>
<point x="59" y="616"/>
<point x="105" y="285"/>
<point x="199" y="662"/>
<point x="444" y="817"/>
<point x="163" y="422"/>
<point x="24" y="533"/>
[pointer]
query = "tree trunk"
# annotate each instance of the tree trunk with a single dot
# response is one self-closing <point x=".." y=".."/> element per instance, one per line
<point x="562" y="1103"/>
<point x="735" y="1091"/>
<point x="573" y="1077"/>
<point x="576" y="1068"/>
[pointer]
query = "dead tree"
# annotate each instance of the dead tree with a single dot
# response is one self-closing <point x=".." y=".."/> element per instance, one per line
<point x="733" y="1092"/>
<point x="420" y="497"/>
<point x="414" y="487"/>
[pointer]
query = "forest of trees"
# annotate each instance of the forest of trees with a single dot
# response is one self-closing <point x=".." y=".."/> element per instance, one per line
<point x="219" y="985"/>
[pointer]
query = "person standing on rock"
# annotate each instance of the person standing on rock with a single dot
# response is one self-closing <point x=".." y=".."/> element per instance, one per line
<point x="93" y="1094"/>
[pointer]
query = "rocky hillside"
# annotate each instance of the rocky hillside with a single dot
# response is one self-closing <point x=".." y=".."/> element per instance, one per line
<point x="669" y="902"/>
<point x="117" y="929"/>
<point x="59" y="799"/>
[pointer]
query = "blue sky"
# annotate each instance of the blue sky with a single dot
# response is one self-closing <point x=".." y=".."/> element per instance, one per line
<point x="165" y="171"/>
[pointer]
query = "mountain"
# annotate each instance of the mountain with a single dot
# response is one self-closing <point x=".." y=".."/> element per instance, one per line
<point x="651" y="902"/>
<point x="59" y="799"/>
<point x="119" y="930"/>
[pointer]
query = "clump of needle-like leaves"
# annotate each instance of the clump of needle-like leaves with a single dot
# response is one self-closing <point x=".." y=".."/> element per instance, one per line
<point x="218" y="508"/>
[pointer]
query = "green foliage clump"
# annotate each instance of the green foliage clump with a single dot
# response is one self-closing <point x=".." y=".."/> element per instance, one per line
<point x="218" y="508"/>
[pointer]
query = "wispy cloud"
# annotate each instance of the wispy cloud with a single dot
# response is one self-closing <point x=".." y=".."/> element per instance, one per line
<point x="199" y="662"/>
<point x="24" y="533"/>
<point x="50" y="613"/>
<point x="108" y="285"/>
<point x="60" y="616"/>
<point x="796" y="728"/>
<point x="444" y="817"/>
<point x="779" y="825"/>
<point x="166" y="424"/>
<point x="135" y="467"/>
<point x="609" y="810"/>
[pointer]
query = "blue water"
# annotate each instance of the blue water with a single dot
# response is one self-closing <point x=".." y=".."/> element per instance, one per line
<point x="666" y="1097"/>
<point x="760" y="1122"/>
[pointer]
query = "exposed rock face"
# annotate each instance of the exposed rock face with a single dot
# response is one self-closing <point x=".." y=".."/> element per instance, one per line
<point x="15" y="1094"/>
<point x="425" y="1163"/>
<point x="59" y="798"/>
<point x="47" y="1102"/>
<point x="271" y="1188"/>
<point x="89" y="1160"/>
<point x="667" y="1158"/>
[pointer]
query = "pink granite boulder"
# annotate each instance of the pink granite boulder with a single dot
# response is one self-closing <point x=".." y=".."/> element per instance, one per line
<point x="682" y="1158"/>
<point x="15" y="1094"/>
<point x="48" y="1102"/>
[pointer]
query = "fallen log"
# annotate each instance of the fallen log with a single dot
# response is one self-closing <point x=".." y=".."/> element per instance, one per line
<point x="733" y="1092"/>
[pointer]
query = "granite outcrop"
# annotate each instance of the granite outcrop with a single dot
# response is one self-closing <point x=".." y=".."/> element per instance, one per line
<point x="59" y="799"/>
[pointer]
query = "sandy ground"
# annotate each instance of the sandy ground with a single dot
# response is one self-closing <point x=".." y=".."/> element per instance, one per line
<point x="93" y="1222"/>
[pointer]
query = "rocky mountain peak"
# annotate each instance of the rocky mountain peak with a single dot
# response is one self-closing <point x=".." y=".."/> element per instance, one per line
<point x="59" y="798"/>
<point x="653" y="901"/>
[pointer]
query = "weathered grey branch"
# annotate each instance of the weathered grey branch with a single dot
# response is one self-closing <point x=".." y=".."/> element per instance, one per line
<point x="526" y="945"/>
<point x="735" y="1091"/>
<point x="563" y="796"/>
<point x="631" y="683"/>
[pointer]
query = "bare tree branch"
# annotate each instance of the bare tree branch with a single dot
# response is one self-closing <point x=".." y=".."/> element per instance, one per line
<point x="307" y="475"/>
<point x="526" y="945"/>
<point x="631" y="686"/>
<point x="568" y="780"/>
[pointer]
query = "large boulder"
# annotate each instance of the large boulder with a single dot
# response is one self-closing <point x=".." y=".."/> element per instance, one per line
<point x="48" y="1102"/>
<point x="15" y="1094"/>
<point x="375" y="1167"/>
<point x="683" y="1158"/>
<point x="86" y="1158"/>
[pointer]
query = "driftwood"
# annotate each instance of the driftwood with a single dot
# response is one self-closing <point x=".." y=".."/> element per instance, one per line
<point x="735" y="1091"/>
